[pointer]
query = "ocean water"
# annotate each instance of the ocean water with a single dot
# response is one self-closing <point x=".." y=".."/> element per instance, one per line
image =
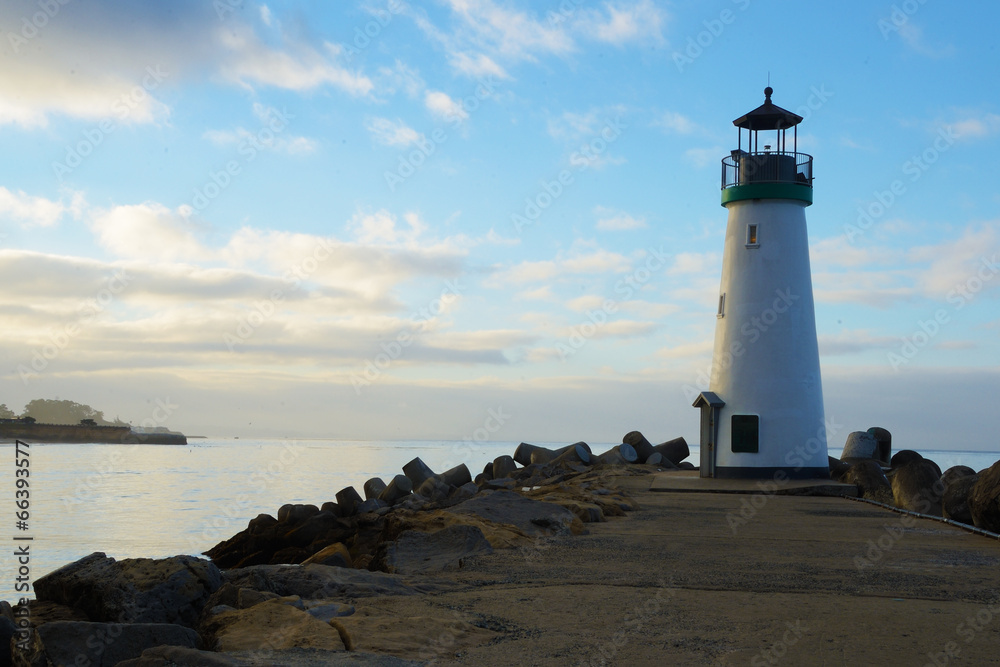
<point x="154" y="501"/>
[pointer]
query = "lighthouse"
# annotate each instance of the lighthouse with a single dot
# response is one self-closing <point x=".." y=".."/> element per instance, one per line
<point x="762" y="416"/>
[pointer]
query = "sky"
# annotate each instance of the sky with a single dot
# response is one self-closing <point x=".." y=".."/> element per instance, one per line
<point x="483" y="219"/>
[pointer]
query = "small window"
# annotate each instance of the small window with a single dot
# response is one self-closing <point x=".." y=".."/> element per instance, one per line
<point x="722" y="305"/>
<point x="746" y="434"/>
<point x="752" y="237"/>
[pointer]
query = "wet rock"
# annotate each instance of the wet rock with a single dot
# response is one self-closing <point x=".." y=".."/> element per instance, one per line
<point x="269" y="625"/>
<point x="916" y="487"/>
<point x="860" y="445"/>
<point x="955" y="501"/>
<point x="871" y="481"/>
<point x="984" y="499"/>
<point x="103" y="644"/>
<point x="416" y="552"/>
<point x="133" y="590"/>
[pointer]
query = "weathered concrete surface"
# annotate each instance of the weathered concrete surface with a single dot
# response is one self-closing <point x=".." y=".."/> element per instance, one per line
<point x="682" y="581"/>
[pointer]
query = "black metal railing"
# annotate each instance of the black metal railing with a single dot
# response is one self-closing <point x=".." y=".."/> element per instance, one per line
<point x="742" y="168"/>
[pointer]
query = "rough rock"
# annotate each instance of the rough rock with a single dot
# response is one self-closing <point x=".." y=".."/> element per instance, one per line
<point x="269" y="625"/>
<point x="335" y="554"/>
<point x="860" y="445"/>
<point x="133" y="590"/>
<point x="955" y="501"/>
<point x="984" y="499"/>
<point x="416" y="552"/>
<point x="172" y="656"/>
<point x="916" y="487"/>
<point x="531" y="516"/>
<point x="500" y="536"/>
<point x="103" y="644"/>
<point x="327" y="581"/>
<point x="871" y="481"/>
<point x="425" y="638"/>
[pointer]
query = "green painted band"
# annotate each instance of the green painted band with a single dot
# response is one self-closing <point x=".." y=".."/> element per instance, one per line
<point x="768" y="191"/>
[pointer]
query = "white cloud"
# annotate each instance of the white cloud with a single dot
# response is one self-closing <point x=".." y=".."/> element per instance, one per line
<point x="624" y="23"/>
<point x="269" y="136"/>
<point x="703" y="157"/>
<point x="391" y="133"/>
<point x="913" y="36"/>
<point x="677" y="123"/>
<point x="976" y="127"/>
<point x="380" y="227"/>
<point x="250" y="62"/>
<point x="508" y="32"/>
<point x="148" y="231"/>
<point x="265" y="15"/>
<point x="611" y="220"/>
<point x="972" y="259"/>
<point x="444" y="107"/>
<point x="477" y="65"/>
<point x="30" y="211"/>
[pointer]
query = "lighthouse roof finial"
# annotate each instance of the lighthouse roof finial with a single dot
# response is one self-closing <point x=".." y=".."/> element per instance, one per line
<point x="768" y="116"/>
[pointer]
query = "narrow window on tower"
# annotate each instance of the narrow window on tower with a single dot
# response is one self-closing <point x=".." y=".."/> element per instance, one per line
<point x="752" y="236"/>
<point x="722" y="305"/>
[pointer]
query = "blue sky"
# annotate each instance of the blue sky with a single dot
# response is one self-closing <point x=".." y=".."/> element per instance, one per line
<point x="387" y="219"/>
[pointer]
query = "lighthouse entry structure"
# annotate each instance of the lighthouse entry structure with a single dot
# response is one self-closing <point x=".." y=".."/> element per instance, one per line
<point x="763" y="414"/>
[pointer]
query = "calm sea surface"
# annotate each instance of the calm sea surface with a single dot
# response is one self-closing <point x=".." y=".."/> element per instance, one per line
<point x="154" y="500"/>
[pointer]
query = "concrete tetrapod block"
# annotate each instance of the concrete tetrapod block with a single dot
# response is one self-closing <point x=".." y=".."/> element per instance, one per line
<point x="575" y="453"/>
<point x="675" y="450"/>
<point x="884" y="440"/>
<point x="502" y="466"/>
<point x="374" y="487"/>
<point x="542" y="455"/>
<point x="418" y="472"/>
<point x="348" y="500"/>
<point x="457" y="476"/>
<point x="860" y="445"/>
<point x="643" y="448"/>
<point x="618" y="455"/>
<point x="523" y="453"/>
<point x="563" y="450"/>
<point x="399" y="487"/>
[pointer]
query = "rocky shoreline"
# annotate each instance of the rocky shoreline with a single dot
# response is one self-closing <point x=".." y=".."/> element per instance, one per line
<point x="295" y="588"/>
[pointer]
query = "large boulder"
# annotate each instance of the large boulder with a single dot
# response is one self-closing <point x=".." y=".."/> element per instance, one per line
<point x="860" y="445"/>
<point x="955" y="501"/>
<point x="102" y="644"/>
<point x="133" y="590"/>
<point x="416" y="552"/>
<point x="273" y="624"/>
<point x="917" y="487"/>
<point x="984" y="499"/>
<point x="530" y="516"/>
<point x="871" y="481"/>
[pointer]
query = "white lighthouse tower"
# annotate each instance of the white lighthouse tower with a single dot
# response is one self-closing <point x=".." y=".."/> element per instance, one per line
<point x="763" y="414"/>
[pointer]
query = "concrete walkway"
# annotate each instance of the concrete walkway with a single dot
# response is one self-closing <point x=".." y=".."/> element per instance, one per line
<point x="734" y="579"/>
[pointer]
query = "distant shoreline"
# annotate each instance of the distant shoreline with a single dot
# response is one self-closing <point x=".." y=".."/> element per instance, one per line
<point x="86" y="433"/>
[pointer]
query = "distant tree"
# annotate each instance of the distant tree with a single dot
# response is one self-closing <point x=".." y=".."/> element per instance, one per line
<point x="5" y="412"/>
<point x="28" y="420"/>
<point x="49" y="411"/>
<point x="88" y="422"/>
